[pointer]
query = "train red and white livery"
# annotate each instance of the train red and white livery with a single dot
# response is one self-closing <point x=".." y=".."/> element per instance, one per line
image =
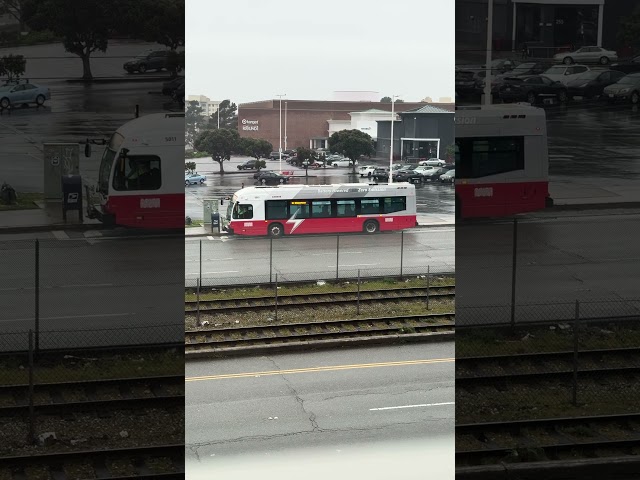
<point x="315" y="209"/>
<point x="502" y="163"/>
<point x="140" y="180"/>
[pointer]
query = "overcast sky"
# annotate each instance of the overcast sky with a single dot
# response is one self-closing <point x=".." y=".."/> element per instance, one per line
<point x="250" y="50"/>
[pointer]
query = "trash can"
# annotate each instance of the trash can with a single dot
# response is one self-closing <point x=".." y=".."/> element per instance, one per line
<point x="72" y="195"/>
<point x="215" y="222"/>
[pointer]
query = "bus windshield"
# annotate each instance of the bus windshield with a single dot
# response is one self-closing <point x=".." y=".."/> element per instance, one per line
<point x="229" y="210"/>
<point x="107" y="161"/>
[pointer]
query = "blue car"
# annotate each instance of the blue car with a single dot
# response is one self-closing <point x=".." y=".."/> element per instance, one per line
<point x="23" y="93"/>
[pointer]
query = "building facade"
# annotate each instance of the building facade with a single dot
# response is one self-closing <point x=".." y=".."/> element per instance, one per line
<point x="208" y="106"/>
<point x="424" y="132"/>
<point x="543" y="25"/>
<point x="309" y="123"/>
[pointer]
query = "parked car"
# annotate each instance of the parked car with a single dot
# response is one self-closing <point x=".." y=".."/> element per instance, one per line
<point x="564" y="73"/>
<point x="380" y="174"/>
<point x="248" y="165"/>
<point x="194" y="179"/>
<point x="343" y="163"/>
<point x="587" y="55"/>
<point x="276" y="156"/>
<point x="524" y="69"/>
<point x="467" y="81"/>
<point x="260" y="172"/>
<point x="366" y="171"/>
<point x="627" y="88"/>
<point x="171" y="86"/>
<point x="148" y="60"/>
<point x="271" y="178"/>
<point x="532" y="89"/>
<point x="22" y="94"/>
<point x="433" y="174"/>
<point x="432" y="162"/>
<point x="407" y="174"/>
<point x="449" y="176"/>
<point x="630" y="66"/>
<point x="592" y="83"/>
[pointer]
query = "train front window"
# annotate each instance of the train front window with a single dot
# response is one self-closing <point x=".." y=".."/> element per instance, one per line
<point x="115" y="142"/>
<point x="137" y="172"/>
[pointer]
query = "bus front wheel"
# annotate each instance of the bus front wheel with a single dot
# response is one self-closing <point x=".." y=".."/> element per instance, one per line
<point x="276" y="230"/>
<point x="371" y="226"/>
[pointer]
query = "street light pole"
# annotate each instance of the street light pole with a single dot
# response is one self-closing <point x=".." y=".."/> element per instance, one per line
<point x="393" y="117"/>
<point x="280" y="135"/>
<point x="487" y="80"/>
<point x="218" y="116"/>
<point x="285" y="126"/>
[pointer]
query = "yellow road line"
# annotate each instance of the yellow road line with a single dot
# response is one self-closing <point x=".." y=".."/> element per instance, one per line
<point x="320" y="369"/>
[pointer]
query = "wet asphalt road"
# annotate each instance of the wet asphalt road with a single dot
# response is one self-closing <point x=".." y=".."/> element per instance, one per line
<point x="433" y="198"/>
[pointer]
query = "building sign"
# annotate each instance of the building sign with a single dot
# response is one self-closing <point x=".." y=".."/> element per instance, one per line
<point x="249" y="124"/>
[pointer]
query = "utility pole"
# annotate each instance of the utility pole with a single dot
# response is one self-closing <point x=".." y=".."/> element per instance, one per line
<point x="393" y="118"/>
<point x="280" y="139"/>
<point x="487" y="80"/>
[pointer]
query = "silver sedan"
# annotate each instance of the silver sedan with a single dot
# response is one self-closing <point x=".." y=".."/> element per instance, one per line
<point x="23" y="93"/>
<point x="587" y="55"/>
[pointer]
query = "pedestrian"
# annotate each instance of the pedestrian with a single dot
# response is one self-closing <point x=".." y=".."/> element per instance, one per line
<point x="525" y="50"/>
<point x="242" y="185"/>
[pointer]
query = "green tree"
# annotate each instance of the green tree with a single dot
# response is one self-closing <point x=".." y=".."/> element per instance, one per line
<point x="194" y="121"/>
<point x="166" y="23"/>
<point x="189" y="166"/>
<point x="385" y="100"/>
<point x="450" y="152"/>
<point x="219" y="143"/>
<point x="13" y="66"/>
<point x="629" y="30"/>
<point x="228" y="116"/>
<point x="256" y="148"/>
<point x="352" y="144"/>
<point x="15" y="8"/>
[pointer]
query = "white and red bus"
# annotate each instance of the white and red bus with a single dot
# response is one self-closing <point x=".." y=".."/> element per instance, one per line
<point x="140" y="178"/>
<point x="299" y="209"/>
<point x="502" y="162"/>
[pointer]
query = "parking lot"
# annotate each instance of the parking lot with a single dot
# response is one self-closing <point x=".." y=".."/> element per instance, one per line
<point x="432" y="198"/>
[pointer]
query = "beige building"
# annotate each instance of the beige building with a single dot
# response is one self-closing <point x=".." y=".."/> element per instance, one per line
<point x="209" y="106"/>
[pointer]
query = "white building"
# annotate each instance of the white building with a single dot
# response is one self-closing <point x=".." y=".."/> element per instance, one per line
<point x="365" y="121"/>
<point x="208" y="106"/>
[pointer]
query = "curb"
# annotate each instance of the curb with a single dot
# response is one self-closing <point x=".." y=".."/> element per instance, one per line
<point x="81" y="227"/>
<point x="323" y="344"/>
<point x="593" y="206"/>
<point x="420" y="227"/>
<point x="119" y="80"/>
<point x="555" y="469"/>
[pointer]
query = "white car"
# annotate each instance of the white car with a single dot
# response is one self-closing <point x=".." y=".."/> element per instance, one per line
<point x="194" y="179"/>
<point x="565" y="73"/>
<point x="587" y="55"/>
<point x="432" y="162"/>
<point x="448" y="177"/>
<point x="366" y="171"/>
<point x="23" y="93"/>
<point x="343" y="163"/>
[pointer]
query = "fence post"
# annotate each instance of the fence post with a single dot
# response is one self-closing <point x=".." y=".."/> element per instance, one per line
<point x="37" y="306"/>
<point x="358" y="299"/>
<point x="401" y="251"/>
<point x="575" y="354"/>
<point x="270" y="259"/>
<point x="276" y="298"/>
<point x="200" y="274"/>
<point x="337" y="256"/>
<point x="198" y="303"/>
<point x="513" y="272"/>
<point x="428" y="280"/>
<point x="31" y="438"/>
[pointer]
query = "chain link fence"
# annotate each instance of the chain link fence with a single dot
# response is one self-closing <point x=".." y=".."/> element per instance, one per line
<point x="299" y="259"/>
<point x="558" y="360"/>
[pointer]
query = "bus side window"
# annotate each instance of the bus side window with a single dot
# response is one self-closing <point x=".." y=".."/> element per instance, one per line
<point x="346" y="208"/>
<point x="299" y="208"/>
<point x="369" y="206"/>
<point x="395" y="204"/>
<point x="321" y="209"/>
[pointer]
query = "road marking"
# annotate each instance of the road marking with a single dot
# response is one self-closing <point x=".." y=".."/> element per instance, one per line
<point x="96" y="315"/>
<point x="355" y="265"/>
<point x="412" y="406"/>
<point x="209" y="237"/>
<point x="60" y="235"/>
<point x="332" y="368"/>
<point x="50" y="287"/>
<point x="210" y="273"/>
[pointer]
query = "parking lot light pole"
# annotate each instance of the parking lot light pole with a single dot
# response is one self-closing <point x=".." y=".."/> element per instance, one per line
<point x="218" y="116"/>
<point x="487" y="80"/>
<point x="280" y="139"/>
<point x="285" y="126"/>
<point x="393" y="117"/>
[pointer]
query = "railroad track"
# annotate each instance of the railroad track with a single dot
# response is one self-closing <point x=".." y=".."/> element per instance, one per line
<point x="291" y="333"/>
<point x="140" y="462"/>
<point x="93" y="395"/>
<point x="531" y="367"/>
<point x="546" y="439"/>
<point x="262" y="303"/>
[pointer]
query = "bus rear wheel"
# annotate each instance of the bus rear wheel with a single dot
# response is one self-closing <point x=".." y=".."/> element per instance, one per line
<point x="276" y="230"/>
<point x="371" y="226"/>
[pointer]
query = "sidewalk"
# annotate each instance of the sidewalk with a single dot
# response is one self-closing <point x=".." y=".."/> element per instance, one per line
<point x="594" y="194"/>
<point x="48" y="217"/>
